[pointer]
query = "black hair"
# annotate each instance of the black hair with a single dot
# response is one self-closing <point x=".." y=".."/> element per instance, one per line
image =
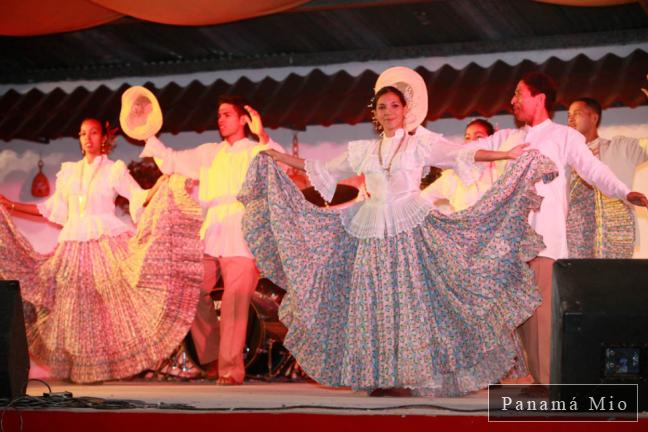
<point x="109" y="133"/>
<point x="239" y="103"/>
<point x="594" y="105"/>
<point x="490" y="130"/>
<point x="374" y="102"/>
<point x="383" y="91"/>
<point x="539" y="82"/>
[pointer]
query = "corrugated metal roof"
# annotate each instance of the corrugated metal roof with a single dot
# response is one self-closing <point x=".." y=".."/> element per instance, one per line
<point x="321" y="33"/>
<point x="325" y="99"/>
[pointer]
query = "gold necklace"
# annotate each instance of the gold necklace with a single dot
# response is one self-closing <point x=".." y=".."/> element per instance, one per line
<point x="83" y="193"/>
<point x="387" y="169"/>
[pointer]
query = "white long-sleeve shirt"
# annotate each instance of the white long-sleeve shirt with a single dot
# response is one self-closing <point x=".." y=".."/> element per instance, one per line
<point x="83" y="201"/>
<point x="221" y="169"/>
<point x="622" y="155"/>
<point x="567" y="149"/>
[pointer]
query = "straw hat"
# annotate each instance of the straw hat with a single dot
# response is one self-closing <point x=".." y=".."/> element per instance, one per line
<point x="411" y="84"/>
<point x="140" y="117"/>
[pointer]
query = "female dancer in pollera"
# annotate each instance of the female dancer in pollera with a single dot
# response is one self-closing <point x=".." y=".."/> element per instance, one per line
<point x="388" y="295"/>
<point x="105" y="304"/>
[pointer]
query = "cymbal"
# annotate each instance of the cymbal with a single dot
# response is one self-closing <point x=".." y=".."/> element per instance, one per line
<point x="343" y="193"/>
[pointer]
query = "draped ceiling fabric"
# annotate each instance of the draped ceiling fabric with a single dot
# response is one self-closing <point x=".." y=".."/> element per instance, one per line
<point x="197" y="12"/>
<point x="39" y="17"/>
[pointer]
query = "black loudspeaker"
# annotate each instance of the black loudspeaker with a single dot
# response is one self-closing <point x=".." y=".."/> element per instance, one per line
<point x="14" y="360"/>
<point x="600" y="323"/>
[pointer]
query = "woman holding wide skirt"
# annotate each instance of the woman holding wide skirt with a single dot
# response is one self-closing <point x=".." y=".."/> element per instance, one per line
<point x="389" y="295"/>
<point x="107" y="303"/>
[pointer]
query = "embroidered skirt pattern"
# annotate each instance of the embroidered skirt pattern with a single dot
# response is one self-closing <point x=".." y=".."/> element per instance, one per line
<point x="598" y="226"/>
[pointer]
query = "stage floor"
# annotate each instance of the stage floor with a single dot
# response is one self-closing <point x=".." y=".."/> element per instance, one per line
<point x="277" y="406"/>
<point x="273" y="396"/>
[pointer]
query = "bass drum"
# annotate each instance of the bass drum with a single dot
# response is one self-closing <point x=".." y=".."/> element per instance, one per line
<point x="264" y="355"/>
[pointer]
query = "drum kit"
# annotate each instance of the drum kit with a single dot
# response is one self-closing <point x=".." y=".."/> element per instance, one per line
<point x="264" y="355"/>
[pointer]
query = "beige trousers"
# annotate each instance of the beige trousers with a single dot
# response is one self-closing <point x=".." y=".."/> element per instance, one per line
<point x="204" y="329"/>
<point x="240" y="278"/>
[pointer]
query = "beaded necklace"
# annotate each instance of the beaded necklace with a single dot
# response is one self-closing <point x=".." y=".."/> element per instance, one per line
<point x="387" y="169"/>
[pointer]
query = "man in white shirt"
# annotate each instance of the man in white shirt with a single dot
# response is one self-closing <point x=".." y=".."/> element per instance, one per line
<point x="532" y="105"/>
<point x="599" y="226"/>
<point x="221" y="169"/>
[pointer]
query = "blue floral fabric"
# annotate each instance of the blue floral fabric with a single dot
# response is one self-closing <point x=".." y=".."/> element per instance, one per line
<point x="433" y="308"/>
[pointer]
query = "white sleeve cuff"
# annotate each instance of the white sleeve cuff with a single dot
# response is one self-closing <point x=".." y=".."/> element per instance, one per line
<point x="321" y="179"/>
<point x="54" y="210"/>
<point x="466" y="168"/>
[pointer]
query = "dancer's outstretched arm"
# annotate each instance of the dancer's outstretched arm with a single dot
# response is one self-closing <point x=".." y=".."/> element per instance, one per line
<point x="292" y="161"/>
<point x="24" y="208"/>
<point x="494" y="155"/>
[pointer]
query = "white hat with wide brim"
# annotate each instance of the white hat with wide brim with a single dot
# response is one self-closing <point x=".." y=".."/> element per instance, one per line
<point x="411" y="84"/>
<point x="140" y="117"/>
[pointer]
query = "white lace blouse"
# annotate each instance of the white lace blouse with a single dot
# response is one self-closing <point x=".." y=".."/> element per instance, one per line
<point x="84" y="199"/>
<point x="395" y="203"/>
